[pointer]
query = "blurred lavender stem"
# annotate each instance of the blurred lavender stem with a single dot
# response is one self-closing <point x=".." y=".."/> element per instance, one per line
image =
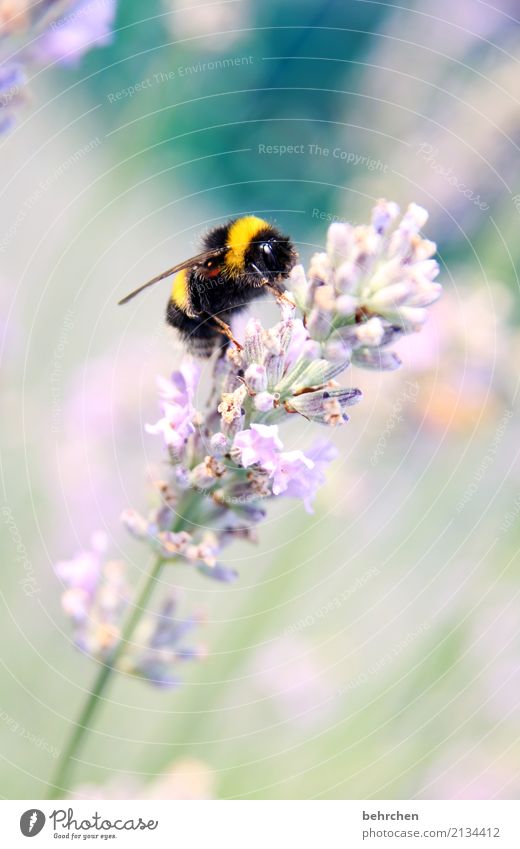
<point x="82" y="725"/>
<point x="58" y="786"/>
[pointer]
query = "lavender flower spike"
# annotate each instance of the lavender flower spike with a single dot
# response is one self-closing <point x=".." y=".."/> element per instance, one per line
<point x="371" y="285"/>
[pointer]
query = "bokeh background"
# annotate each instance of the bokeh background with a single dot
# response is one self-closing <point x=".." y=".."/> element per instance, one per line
<point x="370" y="650"/>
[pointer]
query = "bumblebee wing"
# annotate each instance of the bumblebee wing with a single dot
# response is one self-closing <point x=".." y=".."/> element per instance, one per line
<point x="188" y="263"/>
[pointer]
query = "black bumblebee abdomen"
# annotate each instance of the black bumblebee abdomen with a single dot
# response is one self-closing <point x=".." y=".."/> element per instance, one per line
<point x="200" y="334"/>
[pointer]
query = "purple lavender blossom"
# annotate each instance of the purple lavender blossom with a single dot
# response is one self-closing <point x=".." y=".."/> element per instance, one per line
<point x="292" y="473"/>
<point x="177" y="422"/>
<point x="260" y="445"/>
<point x="81" y="575"/>
<point x="301" y="475"/>
<point x="95" y="596"/>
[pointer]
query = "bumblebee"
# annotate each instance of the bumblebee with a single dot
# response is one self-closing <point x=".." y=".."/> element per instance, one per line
<point x="238" y="262"/>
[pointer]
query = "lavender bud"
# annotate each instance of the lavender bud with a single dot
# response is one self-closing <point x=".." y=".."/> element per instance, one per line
<point x="320" y="270"/>
<point x="254" y="349"/>
<point x="206" y="473"/>
<point x="264" y="401"/>
<point x="318" y="373"/>
<point x="287" y="307"/>
<point x="390" y="297"/>
<point x="346" y="305"/>
<point x="311" y="350"/>
<point x="299" y="286"/>
<point x="339" y="242"/>
<point x="411" y="319"/>
<point x="384" y="214"/>
<point x="376" y="358"/>
<point x="414" y="219"/>
<point x="219" y="444"/>
<point x="182" y="477"/>
<point x="337" y="350"/>
<point x="172" y="544"/>
<point x="256" y="378"/>
<point x="135" y="523"/>
<point x="325" y="405"/>
<point x="371" y="332"/>
<point x="250" y="511"/>
<point x="425" y="295"/>
<point x="347" y="277"/>
<point x="422" y="249"/>
<point x="218" y="572"/>
<point x="278" y="340"/>
<point x="162" y="519"/>
<point x="319" y="323"/>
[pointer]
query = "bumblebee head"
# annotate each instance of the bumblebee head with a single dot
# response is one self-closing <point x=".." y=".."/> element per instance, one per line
<point x="270" y="255"/>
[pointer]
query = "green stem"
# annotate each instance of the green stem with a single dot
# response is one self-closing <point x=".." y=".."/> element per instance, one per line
<point x="84" y="722"/>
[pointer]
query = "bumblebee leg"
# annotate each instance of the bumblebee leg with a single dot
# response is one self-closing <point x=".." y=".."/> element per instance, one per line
<point x="277" y="292"/>
<point x="226" y="331"/>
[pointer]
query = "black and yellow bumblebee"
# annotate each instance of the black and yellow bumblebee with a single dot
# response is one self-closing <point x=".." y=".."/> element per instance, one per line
<point x="238" y="262"/>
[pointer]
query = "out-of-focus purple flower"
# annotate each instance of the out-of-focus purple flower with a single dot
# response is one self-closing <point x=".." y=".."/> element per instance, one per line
<point x="177" y="422"/>
<point x="85" y="25"/>
<point x="174" y="426"/>
<point x="300" y="475"/>
<point x="81" y="576"/>
<point x="12" y="93"/>
<point x="258" y="445"/>
<point x="45" y="32"/>
<point x="322" y="452"/>
<point x="290" y="674"/>
<point x="95" y="596"/>
<point x="163" y="635"/>
<point x="182" y="385"/>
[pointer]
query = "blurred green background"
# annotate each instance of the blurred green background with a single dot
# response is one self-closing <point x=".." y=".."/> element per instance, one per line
<point x="371" y="649"/>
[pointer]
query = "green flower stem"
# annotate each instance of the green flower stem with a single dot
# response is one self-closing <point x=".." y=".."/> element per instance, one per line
<point x="83" y="724"/>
